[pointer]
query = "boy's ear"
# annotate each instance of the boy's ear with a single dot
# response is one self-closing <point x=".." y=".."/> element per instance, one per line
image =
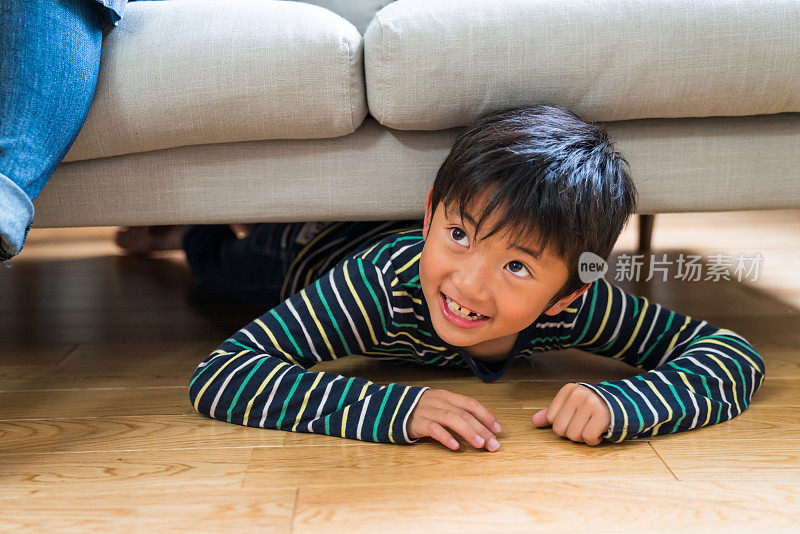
<point x="559" y="306"/>
<point x="428" y="209"/>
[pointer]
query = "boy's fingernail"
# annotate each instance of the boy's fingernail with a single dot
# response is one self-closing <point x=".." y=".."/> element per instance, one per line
<point x="497" y="427"/>
<point x="493" y="443"/>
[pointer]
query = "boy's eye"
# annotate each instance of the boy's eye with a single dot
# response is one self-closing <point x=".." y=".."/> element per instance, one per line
<point x="455" y="231"/>
<point x="519" y="269"/>
<point x="457" y="234"/>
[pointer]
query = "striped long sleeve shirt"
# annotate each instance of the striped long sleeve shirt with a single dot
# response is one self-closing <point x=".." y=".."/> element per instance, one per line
<point x="371" y="303"/>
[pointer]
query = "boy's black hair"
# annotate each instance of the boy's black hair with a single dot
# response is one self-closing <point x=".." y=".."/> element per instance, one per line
<point x="555" y="174"/>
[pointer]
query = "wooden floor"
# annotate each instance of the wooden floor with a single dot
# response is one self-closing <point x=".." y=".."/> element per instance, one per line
<point x="96" y="430"/>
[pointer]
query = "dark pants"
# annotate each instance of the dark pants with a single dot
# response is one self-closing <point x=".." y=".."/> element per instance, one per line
<point x="250" y="269"/>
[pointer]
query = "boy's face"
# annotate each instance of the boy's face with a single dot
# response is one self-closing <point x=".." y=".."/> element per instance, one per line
<point x="490" y="277"/>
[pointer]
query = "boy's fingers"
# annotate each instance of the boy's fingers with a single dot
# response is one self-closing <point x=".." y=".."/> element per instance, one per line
<point x="565" y="414"/>
<point x="456" y="422"/>
<point x="559" y="400"/>
<point x="577" y="425"/>
<point x="441" y="435"/>
<point x="476" y="409"/>
<point x="594" y="430"/>
<point x="484" y="432"/>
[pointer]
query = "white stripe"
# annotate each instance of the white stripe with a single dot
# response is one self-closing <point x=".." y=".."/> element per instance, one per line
<point x="650" y="406"/>
<point x="413" y="404"/>
<point x="299" y="268"/>
<point x="209" y="360"/>
<point x="653" y="322"/>
<point x="346" y="313"/>
<point x="361" y="418"/>
<point x="272" y="394"/>
<point x="227" y="381"/>
<point x="246" y="332"/>
<point x="385" y="293"/>
<point x="711" y="374"/>
<point x="688" y="392"/>
<point x="322" y="402"/>
<point x="303" y="328"/>
<point x="681" y="343"/>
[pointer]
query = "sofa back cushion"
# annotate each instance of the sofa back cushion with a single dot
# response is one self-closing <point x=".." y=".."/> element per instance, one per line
<point x="434" y="64"/>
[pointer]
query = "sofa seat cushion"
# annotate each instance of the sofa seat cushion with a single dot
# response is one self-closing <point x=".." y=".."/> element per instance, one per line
<point x="189" y="72"/>
<point x="381" y="173"/>
<point x="433" y="64"/>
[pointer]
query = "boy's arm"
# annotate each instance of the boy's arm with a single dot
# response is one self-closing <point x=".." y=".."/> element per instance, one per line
<point x="258" y="377"/>
<point x="699" y="374"/>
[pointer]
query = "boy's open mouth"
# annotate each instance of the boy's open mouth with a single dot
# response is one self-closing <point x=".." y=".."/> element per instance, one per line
<point x="459" y="316"/>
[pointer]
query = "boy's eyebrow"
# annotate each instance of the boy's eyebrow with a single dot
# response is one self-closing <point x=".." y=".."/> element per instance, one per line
<point x="535" y="254"/>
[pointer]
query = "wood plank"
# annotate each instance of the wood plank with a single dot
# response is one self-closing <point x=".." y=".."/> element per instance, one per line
<point x="69" y="473"/>
<point x="422" y="462"/>
<point x="132" y="433"/>
<point x="489" y="504"/>
<point x="725" y="460"/>
<point x="189" y="509"/>
<point x="69" y="403"/>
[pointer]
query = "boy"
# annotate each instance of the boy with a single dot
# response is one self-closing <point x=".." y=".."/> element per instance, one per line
<point x="547" y="187"/>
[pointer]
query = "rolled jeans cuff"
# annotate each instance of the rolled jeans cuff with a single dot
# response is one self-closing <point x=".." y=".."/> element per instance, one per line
<point x="16" y="218"/>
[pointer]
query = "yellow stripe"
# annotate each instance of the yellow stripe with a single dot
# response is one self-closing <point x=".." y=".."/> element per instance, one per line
<point x="734" y="349"/>
<point x="411" y="262"/>
<point x="364" y="390"/>
<point x="635" y="330"/>
<point x="624" y="419"/>
<point x="358" y="301"/>
<point x="415" y="340"/>
<point x="675" y="337"/>
<point x="275" y="342"/>
<point x="258" y="392"/>
<point x="664" y="402"/>
<point x="708" y="402"/>
<point x="208" y="383"/>
<point x="403" y="293"/>
<point x="319" y="325"/>
<point x="344" y="419"/>
<point x="364" y="256"/>
<point x="305" y="249"/>
<point x="605" y="317"/>
<point x="396" y="409"/>
<point x="733" y="383"/>
<point x="305" y="401"/>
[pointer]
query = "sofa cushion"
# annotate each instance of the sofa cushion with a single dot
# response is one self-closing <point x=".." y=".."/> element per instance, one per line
<point x="434" y="64"/>
<point x="382" y="173"/>
<point x="188" y="72"/>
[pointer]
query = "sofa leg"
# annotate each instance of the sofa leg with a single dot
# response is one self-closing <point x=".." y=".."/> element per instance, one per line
<point x="645" y="232"/>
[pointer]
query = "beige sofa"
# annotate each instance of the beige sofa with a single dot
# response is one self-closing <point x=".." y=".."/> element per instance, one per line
<point x="258" y="110"/>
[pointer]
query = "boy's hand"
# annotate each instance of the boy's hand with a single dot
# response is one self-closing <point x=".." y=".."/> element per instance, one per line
<point x="438" y="408"/>
<point x="578" y="413"/>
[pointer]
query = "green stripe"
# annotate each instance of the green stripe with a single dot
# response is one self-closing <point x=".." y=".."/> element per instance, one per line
<point x="638" y="413"/>
<point x="380" y="412"/>
<point x="241" y="388"/>
<point x="344" y="393"/>
<point x="333" y="320"/>
<point x="658" y="338"/>
<point x="387" y="245"/>
<point x="286" y="331"/>
<point x="288" y="397"/>
<point x="378" y="305"/>
<point x="591" y="314"/>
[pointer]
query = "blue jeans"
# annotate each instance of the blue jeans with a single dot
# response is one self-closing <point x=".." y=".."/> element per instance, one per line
<point x="49" y="60"/>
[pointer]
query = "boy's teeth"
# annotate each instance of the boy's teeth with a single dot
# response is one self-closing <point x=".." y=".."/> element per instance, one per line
<point x="463" y="312"/>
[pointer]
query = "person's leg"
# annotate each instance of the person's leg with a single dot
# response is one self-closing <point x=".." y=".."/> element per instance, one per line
<point x="249" y="269"/>
<point x="49" y="61"/>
